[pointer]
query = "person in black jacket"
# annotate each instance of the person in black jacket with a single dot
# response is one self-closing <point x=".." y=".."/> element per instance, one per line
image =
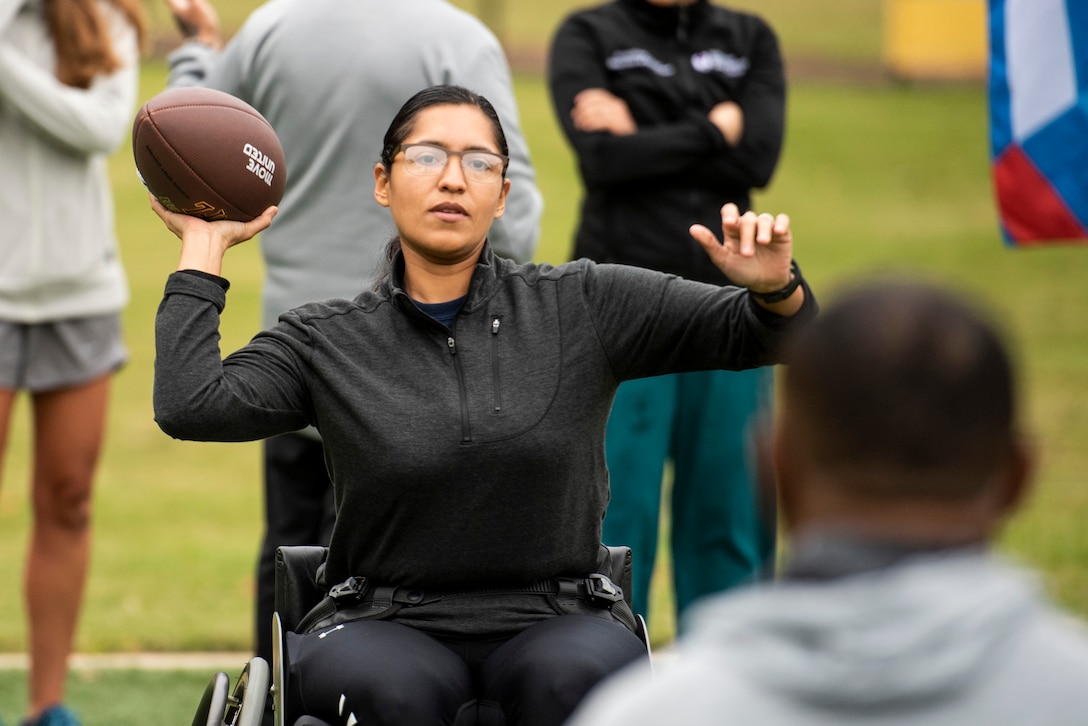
<point x="672" y="106"/>
<point x="462" y="405"/>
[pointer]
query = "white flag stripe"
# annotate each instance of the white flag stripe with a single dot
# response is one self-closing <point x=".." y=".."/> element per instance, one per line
<point x="1039" y="53"/>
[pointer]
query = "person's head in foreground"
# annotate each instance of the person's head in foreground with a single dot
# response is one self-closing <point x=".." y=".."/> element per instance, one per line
<point x="898" y="454"/>
<point x="899" y="422"/>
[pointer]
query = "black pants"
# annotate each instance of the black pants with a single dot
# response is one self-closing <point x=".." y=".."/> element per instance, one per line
<point x="298" y="511"/>
<point x="383" y="672"/>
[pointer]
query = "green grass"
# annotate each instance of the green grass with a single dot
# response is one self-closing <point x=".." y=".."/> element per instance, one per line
<point x="119" y="697"/>
<point x="877" y="178"/>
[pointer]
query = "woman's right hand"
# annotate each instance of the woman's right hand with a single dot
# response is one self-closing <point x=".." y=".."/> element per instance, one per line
<point x="204" y="243"/>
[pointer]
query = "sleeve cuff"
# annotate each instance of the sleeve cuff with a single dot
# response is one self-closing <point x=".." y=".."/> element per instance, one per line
<point x="221" y="281"/>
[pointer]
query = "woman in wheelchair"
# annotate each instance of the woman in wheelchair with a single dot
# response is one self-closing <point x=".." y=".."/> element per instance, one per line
<point x="462" y="402"/>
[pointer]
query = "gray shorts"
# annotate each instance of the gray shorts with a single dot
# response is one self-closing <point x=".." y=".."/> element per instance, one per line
<point x="44" y="356"/>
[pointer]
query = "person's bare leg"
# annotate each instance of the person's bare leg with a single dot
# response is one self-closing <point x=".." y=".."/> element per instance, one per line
<point x="68" y="433"/>
<point x="7" y="405"/>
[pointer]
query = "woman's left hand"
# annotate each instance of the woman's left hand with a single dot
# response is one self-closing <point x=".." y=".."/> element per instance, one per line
<point x="755" y="251"/>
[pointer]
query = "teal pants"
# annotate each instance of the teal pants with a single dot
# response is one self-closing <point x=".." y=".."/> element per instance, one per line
<point x="702" y="422"/>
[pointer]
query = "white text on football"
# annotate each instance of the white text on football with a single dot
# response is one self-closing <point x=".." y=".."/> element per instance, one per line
<point x="260" y="164"/>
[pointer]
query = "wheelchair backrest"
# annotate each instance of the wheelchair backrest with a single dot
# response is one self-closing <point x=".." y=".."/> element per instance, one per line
<point x="298" y="587"/>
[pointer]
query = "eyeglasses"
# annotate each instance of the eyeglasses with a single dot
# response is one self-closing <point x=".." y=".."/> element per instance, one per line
<point x="430" y="160"/>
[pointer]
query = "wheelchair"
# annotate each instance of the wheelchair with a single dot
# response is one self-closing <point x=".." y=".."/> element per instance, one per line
<point x="298" y="591"/>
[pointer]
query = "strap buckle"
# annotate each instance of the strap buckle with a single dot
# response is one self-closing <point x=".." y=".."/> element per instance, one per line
<point x="349" y="591"/>
<point x="599" y="590"/>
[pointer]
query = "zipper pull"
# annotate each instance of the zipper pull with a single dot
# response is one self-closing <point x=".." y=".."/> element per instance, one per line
<point x="451" y="345"/>
<point x="495" y="326"/>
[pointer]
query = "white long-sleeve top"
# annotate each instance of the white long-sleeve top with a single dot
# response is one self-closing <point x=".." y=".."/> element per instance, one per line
<point x="58" y="248"/>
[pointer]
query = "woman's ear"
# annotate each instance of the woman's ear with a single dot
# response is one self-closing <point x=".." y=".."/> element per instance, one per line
<point x="381" y="185"/>
<point x="501" y="206"/>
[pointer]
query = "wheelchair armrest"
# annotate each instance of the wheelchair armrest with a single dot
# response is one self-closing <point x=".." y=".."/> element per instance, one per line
<point x="297" y="589"/>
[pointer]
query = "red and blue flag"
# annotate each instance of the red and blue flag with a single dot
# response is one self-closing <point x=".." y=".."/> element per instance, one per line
<point x="1039" y="119"/>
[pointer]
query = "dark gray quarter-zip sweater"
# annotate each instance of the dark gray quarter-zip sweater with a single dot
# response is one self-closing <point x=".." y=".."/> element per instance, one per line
<point x="462" y="456"/>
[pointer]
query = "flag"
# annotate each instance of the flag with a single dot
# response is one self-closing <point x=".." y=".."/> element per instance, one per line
<point x="1038" y="89"/>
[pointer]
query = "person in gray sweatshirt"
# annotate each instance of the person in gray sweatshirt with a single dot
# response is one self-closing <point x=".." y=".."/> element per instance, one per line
<point x="462" y="404"/>
<point x="899" y="453"/>
<point x="328" y="75"/>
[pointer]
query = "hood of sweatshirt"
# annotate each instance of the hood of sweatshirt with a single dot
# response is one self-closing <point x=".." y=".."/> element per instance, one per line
<point x="911" y="632"/>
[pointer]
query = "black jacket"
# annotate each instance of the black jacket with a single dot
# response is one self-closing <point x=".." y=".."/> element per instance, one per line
<point x="671" y="65"/>
<point x="462" y="456"/>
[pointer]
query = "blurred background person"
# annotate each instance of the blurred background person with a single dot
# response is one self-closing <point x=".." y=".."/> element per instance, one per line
<point x="899" y="455"/>
<point x="672" y="106"/>
<point x="68" y="89"/>
<point x="328" y="76"/>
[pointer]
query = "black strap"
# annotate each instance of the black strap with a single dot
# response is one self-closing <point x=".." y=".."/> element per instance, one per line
<point x="356" y="598"/>
<point x="599" y="593"/>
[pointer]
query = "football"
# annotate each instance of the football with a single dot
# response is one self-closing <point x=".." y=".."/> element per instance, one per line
<point x="208" y="154"/>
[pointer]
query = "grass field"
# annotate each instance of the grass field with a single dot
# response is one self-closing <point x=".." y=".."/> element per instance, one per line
<point x="879" y="178"/>
<point x="121" y="697"/>
<point x="843" y="30"/>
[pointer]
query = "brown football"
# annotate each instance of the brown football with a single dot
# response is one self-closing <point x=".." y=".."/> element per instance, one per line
<point x="208" y="154"/>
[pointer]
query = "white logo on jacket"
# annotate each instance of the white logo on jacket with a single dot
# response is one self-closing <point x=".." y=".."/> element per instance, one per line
<point x="705" y="61"/>
<point x="622" y="60"/>
<point x="711" y="61"/>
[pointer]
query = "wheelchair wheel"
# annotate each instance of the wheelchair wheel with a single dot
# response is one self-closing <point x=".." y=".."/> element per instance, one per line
<point x="246" y="705"/>
<point x="644" y="634"/>
<point x="214" y="702"/>
<point x="279" y="671"/>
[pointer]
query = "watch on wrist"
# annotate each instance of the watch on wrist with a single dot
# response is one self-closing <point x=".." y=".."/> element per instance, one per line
<point x="780" y="295"/>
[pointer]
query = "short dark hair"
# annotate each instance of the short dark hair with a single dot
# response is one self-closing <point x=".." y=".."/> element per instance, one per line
<point x="443" y="95"/>
<point x="902" y="390"/>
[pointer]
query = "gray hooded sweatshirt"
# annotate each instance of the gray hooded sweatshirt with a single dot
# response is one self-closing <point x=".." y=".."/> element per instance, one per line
<point x="958" y="639"/>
